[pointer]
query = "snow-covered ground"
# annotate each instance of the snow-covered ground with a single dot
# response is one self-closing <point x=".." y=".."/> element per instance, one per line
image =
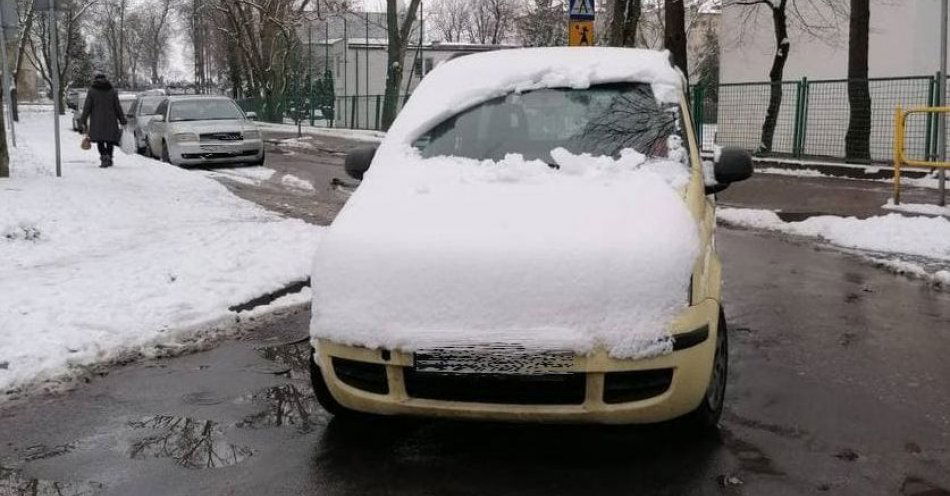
<point x="333" y="132"/>
<point x="917" y="208"/>
<point x="104" y="262"/>
<point x="924" y="239"/>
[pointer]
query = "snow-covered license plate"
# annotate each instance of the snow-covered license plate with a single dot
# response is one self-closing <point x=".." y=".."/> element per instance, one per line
<point x="214" y="148"/>
<point x="477" y="360"/>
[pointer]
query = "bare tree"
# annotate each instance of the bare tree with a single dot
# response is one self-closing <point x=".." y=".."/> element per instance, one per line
<point x="450" y="18"/>
<point x="858" y="138"/>
<point x="155" y="36"/>
<point x="624" y="19"/>
<point x="111" y="19"/>
<point x="66" y="35"/>
<point x="491" y="20"/>
<point x="399" y="33"/>
<point x="544" y="23"/>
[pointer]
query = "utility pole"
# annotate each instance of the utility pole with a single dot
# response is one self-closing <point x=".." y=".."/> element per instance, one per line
<point x="54" y="73"/>
<point x="310" y="70"/>
<point x="941" y="101"/>
<point x="7" y="96"/>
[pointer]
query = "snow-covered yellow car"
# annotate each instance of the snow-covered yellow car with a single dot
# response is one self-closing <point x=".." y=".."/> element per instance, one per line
<point x="533" y="241"/>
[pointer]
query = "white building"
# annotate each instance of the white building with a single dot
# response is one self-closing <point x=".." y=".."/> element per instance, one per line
<point x="359" y="67"/>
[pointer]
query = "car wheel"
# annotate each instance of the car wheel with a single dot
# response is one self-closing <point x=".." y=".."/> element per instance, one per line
<point x="260" y="161"/>
<point x="165" y="157"/>
<point x="325" y="398"/>
<point x="706" y="416"/>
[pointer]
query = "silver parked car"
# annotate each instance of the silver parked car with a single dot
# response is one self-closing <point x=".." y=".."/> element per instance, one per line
<point x="201" y="129"/>
<point x="143" y="110"/>
<point x="125" y="100"/>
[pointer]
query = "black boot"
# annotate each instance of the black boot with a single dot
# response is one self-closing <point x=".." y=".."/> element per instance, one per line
<point x="104" y="161"/>
<point x="108" y="160"/>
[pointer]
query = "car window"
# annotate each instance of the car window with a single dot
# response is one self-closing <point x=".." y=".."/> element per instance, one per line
<point x="204" y="110"/>
<point x="162" y="107"/>
<point x="600" y="120"/>
<point x="148" y="105"/>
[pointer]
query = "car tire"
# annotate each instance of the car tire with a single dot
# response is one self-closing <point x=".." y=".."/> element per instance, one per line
<point x="322" y="393"/>
<point x="260" y="161"/>
<point x="165" y="157"/>
<point x="705" y="418"/>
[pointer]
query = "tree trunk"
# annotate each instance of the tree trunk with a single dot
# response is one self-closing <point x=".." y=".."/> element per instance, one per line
<point x="858" y="139"/>
<point x="782" y="46"/>
<point x="395" y="57"/>
<point x="674" y="33"/>
<point x="623" y="24"/>
<point x="4" y="152"/>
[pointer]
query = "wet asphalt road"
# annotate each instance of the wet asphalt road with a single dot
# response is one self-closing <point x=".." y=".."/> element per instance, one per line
<point x="839" y="384"/>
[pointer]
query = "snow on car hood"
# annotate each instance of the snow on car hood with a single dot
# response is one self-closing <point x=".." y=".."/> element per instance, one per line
<point x="466" y="81"/>
<point x="448" y="251"/>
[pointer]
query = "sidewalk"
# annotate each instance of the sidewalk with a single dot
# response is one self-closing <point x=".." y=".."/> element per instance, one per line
<point x="796" y="197"/>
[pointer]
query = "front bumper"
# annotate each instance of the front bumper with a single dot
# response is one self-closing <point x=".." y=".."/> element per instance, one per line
<point x="684" y="375"/>
<point x="193" y="152"/>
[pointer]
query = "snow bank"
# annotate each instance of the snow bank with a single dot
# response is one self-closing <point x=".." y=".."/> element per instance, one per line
<point x="450" y="251"/>
<point x="105" y="261"/>
<point x="331" y="132"/>
<point x="917" y="208"/>
<point x="465" y="81"/>
<point x="894" y="233"/>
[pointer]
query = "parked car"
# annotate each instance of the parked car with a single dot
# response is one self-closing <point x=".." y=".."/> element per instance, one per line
<point x="535" y="246"/>
<point x="125" y="100"/>
<point x="140" y="114"/>
<point x="201" y="129"/>
<point x="75" y="97"/>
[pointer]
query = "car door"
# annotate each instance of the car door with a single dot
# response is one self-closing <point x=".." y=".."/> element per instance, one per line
<point x="156" y="128"/>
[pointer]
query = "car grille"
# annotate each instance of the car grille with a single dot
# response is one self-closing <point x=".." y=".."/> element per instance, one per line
<point x="224" y="136"/>
<point x="242" y="153"/>
<point x="532" y="389"/>
<point x="636" y="385"/>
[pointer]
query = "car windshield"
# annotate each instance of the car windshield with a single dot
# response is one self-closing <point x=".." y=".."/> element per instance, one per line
<point x="149" y="104"/>
<point x="204" y="110"/>
<point x="600" y="120"/>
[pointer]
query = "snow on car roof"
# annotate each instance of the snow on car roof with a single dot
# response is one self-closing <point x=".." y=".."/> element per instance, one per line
<point x="465" y="81"/>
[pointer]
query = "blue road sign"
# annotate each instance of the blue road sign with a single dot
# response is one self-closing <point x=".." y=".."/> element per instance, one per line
<point x="581" y="10"/>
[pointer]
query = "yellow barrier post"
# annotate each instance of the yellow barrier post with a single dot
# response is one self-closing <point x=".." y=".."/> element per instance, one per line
<point x="898" y="144"/>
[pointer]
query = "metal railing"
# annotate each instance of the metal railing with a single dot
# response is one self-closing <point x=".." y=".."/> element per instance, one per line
<point x="812" y="120"/>
<point x="900" y="145"/>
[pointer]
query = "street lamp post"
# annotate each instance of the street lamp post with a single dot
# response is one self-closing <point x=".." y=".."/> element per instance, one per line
<point x="941" y="101"/>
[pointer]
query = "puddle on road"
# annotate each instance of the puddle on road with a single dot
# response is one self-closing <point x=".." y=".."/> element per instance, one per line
<point x="295" y="356"/>
<point x="751" y="458"/>
<point x="41" y="452"/>
<point x="190" y="443"/>
<point x="915" y="486"/>
<point x="13" y="483"/>
<point x="286" y="406"/>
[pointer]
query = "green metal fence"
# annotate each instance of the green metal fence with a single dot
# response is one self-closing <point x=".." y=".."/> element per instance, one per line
<point x="362" y="111"/>
<point x="813" y="117"/>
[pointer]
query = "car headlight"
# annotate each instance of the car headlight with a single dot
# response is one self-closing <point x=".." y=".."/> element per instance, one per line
<point x="252" y="134"/>
<point x="183" y="137"/>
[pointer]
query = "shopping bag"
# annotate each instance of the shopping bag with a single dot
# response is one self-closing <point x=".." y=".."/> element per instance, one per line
<point x="86" y="143"/>
<point x="127" y="142"/>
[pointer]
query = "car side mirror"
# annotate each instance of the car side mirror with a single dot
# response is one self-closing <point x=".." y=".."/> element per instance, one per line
<point x="251" y="116"/>
<point x="159" y="118"/>
<point x="357" y="161"/>
<point x="734" y="165"/>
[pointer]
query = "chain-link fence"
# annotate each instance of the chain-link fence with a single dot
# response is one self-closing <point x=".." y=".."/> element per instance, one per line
<point x="813" y="117"/>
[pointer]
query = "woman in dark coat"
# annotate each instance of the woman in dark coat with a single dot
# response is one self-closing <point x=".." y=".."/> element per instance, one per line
<point x="104" y="114"/>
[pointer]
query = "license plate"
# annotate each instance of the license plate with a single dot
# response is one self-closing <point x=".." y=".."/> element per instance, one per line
<point x="493" y="360"/>
<point x="214" y="148"/>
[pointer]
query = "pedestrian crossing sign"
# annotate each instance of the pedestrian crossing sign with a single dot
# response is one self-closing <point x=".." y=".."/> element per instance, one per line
<point x="582" y="10"/>
<point x="581" y="33"/>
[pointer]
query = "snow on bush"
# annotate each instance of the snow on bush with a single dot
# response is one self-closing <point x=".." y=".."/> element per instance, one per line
<point x="919" y="236"/>
<point x="105" y="261"/>
<point x="452" y="251"/>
